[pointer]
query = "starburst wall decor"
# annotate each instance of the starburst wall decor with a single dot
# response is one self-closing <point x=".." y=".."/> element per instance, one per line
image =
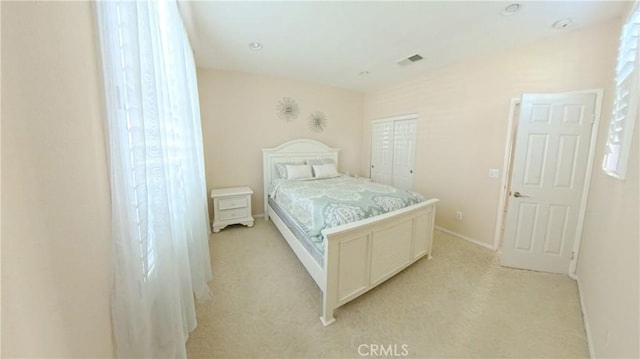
<point x="317" y="121"/>
<point x="287" y="109"/>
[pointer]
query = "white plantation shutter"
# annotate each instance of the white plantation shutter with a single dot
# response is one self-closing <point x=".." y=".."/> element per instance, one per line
<point x="625" y="103"/>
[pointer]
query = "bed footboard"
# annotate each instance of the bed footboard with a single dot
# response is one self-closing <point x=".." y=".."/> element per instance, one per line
<point x="360" y="256"/>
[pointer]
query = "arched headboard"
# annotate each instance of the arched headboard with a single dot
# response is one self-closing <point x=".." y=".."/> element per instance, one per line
<point x="298" y="150"/>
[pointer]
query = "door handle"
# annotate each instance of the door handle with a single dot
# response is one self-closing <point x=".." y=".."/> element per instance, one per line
<point x="518" y="195"/>
<point x="411" y="171"/>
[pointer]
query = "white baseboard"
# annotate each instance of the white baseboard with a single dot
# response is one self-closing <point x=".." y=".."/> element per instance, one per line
<point x="585" y="317"/>
<point x="259" y="215"/>
<point x="474" y="241"/>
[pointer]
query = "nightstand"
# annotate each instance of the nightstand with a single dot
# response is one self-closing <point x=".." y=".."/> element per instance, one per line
<point x="231" y="206"/>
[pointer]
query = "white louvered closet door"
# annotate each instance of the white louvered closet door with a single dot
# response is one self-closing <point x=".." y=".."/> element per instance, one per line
<point x="382" y="152"/>
<point x="393" y="145"/>
<point x="404" y="153"/>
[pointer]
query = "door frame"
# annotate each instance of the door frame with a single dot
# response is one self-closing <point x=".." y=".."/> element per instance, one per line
<point x="506" y="174"/>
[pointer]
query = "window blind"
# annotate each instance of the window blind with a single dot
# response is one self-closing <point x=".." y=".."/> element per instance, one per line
<point x="625" y="104"/>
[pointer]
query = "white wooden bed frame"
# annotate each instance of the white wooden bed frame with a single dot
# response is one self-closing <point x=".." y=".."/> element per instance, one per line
<point x="360" y="255"/>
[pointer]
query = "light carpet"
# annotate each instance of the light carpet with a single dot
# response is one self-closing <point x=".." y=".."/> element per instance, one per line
<point x="460" y="304"/>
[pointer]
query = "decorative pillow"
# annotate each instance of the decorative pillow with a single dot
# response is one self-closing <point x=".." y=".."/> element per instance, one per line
<point x="298" y="172"/>
<point x="322" y="161"/>
<point x="326" y="170"/>
<point x="281" y="168"/>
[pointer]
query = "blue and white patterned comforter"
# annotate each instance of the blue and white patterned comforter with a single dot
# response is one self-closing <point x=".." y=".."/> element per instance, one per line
<point x="329" y="202"/>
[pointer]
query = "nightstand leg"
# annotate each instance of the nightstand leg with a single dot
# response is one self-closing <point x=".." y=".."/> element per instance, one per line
<point x="248" y="224"/>
<point x="217" y="229"/>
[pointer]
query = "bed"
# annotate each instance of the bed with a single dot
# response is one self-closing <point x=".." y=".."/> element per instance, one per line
<point x="345" y="259"/>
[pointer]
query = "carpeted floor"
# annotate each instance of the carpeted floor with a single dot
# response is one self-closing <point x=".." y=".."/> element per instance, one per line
<point x="460" y="304"/>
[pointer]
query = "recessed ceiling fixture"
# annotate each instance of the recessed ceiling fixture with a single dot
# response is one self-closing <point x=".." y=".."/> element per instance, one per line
<point x="562" y="24"/>
<point x="255" y="46"/>
<point x="511" y="9"/>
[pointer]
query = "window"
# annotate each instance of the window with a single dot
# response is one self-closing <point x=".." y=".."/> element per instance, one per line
<point x="625" y="103"/>
<point x="156" y="169"/>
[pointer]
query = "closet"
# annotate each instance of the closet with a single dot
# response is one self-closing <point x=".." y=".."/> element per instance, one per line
<point x="393" y="150"/>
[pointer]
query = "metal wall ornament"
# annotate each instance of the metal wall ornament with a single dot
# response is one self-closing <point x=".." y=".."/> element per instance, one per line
<point x="317" y="121"/>
<point x="287" y="109"/>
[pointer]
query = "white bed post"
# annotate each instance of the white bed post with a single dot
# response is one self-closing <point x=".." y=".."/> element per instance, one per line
<point x="330" y="295"/>
<point x="431" y="228"/>
<point x="266" y="180"/>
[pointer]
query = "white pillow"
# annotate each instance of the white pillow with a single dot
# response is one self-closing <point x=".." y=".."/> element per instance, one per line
<point x="281" y="168"/>
<point x="327" y="170"/>
<point x="298" y="172"/>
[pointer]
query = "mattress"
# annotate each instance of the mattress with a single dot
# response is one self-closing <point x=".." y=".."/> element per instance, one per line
<point x="311" y="247"/>
<point x="317" y="204"/>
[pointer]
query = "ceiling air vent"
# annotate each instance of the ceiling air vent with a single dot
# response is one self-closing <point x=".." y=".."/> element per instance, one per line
<point x="409" y="60"/>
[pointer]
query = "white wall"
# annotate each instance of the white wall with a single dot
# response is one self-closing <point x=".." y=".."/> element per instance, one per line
<point x="55" y="203"/>
<point x="463" y="110"/>
<point x="463" y="115"/>
<point x="609" y="265"/>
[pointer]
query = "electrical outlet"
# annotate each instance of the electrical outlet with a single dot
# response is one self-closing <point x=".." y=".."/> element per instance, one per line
<point x="494" y="173"/>
<point x="458" y="216"/>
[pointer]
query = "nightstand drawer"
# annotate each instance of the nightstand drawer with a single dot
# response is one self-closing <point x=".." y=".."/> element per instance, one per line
<point x="233" y="213"/>
<point x="230" y="203"/>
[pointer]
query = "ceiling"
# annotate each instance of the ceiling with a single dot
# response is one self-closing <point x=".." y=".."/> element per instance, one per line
<point x="334" y="42"/>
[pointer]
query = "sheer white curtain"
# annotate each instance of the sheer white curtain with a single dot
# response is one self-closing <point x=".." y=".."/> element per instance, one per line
<point x="160" y="220"/>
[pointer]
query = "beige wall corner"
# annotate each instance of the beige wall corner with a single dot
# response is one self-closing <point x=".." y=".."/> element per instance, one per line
<point x="55" y="204"/>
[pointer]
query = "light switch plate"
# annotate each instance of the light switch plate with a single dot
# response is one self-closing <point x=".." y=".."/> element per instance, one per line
<point x="494" y="173"/>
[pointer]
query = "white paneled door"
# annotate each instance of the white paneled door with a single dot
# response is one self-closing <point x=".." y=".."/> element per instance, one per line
<point x="404" y="153"/>
<point x="549" y="169"/>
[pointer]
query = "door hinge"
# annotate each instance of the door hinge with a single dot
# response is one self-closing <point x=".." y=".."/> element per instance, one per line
<point x="573" y="255"/>
<point x="593" y="118"/>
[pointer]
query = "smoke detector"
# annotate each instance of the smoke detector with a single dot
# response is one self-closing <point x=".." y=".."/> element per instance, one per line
<point x="409" y="60"/>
